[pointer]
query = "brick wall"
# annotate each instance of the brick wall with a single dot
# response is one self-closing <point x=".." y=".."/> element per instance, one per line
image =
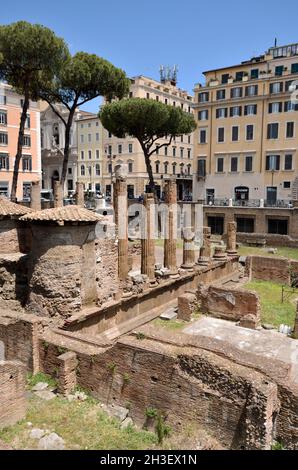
<point x="12" y="393"/>
<point x="269" y="269"/>
<point x="13" y="277"/>
<point x="228" y="303"/>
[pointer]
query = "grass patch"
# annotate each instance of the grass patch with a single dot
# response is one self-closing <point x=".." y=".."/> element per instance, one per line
<point x="82" y="425"/>
<point x="160" y="242"/>
<point x="290" y="253"/>
<point x="273" y="311"/>
<point x="169" y="324"/>
<point x="32" y="380"/>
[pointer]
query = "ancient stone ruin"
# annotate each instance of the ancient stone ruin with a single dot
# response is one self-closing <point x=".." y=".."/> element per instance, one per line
<point x="73" y="303"/>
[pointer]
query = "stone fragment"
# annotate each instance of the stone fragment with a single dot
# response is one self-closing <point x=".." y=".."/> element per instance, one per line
<point x="170" y="314"/>
<point x="267" y="326"/>
<point x="37" y="433"/>
<point x="126" y="423"/>
<point x="51" y="442"/>
<point x="116" y="411"/>
<point x="45" y="395"/>
<point x="40" y="386"/>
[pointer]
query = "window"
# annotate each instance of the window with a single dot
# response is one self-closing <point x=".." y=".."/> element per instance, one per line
<point x="182" y="138"/>
<point x="248" y="163"/>
<point x="166" y="151"/>
<point x="279" y="70"/>
<point x="120" y="148"/>
<point x="157" y="150"/>
<point x="97" y="154"/>
<point x="97" y="136"/>
<point x="97" y="124"/>
<point x="82" y="138"/>
<point x="82" y="126"/>
<point x="202" y="136"/>
<point x="235" y="111"/>
<point x="288" y="162"/>
<point x="174" y="168"/>
<point x="157" y="98"/>
<point x="254" y="74"/>
<point x="290" y="106"/>
<point x="97" y="169"/>
<point x="188" y="153"/>
<point x="250" y="132"/>
<point x="221" y="134"/>
<point x="28" y="122"/>
<point x="110" y="149"/>
<point x="203" y="97"/>
<point x="287" y="185"/>
<point x="89" y="137"/>
<point x="2" y="99"/>
<point x="235" y="133"/>
<point x="166" y="100"/>
<point x="174" y="151"/>
<point x="278" y="226"/>
<point x="156" y="167"/>
<point x="225" y="78"/>
<point x="69" y="171"/>
<point x="203" y="115"/>
<point x="27" y="162"/>
<point x="202" y="167"/>
<point x="216" y="224"/>
<point x="90" y="154"/>
<point x="4" y="161"/>
<point x="290" y="126"/>
<point x="239" y="76"/>
<point x="245" y="225"/>
<point x="189" y="139"/>
<point x="272" y="131"/>
<point x="250" y="110"/>
<point x="3" y="138"/>
<point x="82" y="170"/>
<point x="236" y="92"/>
<point x="4" y="188"/>
<point x="275" y="107"/>
<point x="82" y="155"/>
<point x="130" y="167"/>
<point x="110" y="168"/>
<point x="272" y="162"/>
<point x="294" y="68"/>
<point x="89" y="124"/>
<point x="148" y="96"/>
<point x="276" y="87"/>
<point x="3" y="118"/>
<point x="220" y="94"/>
<point x="220" y="165"/>
<point x="130" y="149"/>
<point x="251" y="90"/>
<point x="181" y="152"/>
<point x="234" y="164"/>
<point x="221" y="113"/>
<point x="166" y="168"/>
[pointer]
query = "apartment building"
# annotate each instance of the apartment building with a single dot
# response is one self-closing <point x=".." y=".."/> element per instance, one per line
<point x="175" y="160"/>
<point x="90" y="151"/>
<point x="246" y="141"/>
<point x="30" y="165"/>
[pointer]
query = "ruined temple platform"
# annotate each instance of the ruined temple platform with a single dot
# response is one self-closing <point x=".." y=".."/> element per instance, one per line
<point x="267" y="344"/>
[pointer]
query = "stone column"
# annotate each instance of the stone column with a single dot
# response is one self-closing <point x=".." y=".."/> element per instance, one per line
<point x="205" y="251"/>
<point x="79" y="196"/>
<point x="35" y="202"/>
<point x="170" y="260"/>
<point x="219" y="253"/>
<point x="58" y="194"/>
<point x="121" y="222"/>
<point x="231" y="239"/>
<point x="188" y="248"/>
<point x="147" y="241"/>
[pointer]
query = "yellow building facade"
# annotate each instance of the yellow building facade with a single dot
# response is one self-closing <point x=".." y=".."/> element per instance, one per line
<point x="246" y="141"/>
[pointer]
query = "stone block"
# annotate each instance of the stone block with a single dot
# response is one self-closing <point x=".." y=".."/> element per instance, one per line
<point x="187" y="305"/>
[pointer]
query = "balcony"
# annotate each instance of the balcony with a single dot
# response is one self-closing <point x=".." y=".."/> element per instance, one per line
<point x="253" y="203"/>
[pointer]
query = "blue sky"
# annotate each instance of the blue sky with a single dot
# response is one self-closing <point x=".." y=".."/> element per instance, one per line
<point x="139" y="35"/>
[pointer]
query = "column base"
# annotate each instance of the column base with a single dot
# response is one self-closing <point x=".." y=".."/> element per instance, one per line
<point x="204" y="261"/>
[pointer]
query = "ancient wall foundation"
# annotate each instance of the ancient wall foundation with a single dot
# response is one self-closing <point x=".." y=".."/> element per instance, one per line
<point x="280" y="270"/>
<point x="12" y="393"/>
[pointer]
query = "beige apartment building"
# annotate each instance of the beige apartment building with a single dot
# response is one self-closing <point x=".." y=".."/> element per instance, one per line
<point x="246" y="141"/>
<point x="90" y="152"/>
<point x="175" y="160"/>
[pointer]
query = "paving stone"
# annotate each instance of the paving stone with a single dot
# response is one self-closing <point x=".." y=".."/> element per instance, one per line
<point x="45" y="395"/>
<point x="170" y="314"/>
<point x="40" y="386"/>
<point x="51" y="442"/>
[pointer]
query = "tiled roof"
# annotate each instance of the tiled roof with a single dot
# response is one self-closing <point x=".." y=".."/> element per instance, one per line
<point x="9" y="209"/>
<point x="63" y="214"/>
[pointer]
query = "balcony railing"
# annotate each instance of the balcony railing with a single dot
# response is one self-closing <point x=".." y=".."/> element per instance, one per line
<point x="261" y="203"/>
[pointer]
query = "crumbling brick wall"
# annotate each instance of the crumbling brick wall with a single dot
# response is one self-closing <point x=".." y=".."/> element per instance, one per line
<point x="106" y="268"/>
<point x="14" y="277"/>
<point x="228" y="303"/>
<point x="266" y="268"/>
<point x="231" y="402"/>
<point x="12" y="392"/>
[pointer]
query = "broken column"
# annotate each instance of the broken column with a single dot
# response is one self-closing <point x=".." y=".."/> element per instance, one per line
<point x="188" y="248"/>
<point x="58" y="194"/>
<point x="170" y="242"/>
<point x="147" y="241"/>
<point x="121" y="222"/>
<point x="79" y="195"/>
<point x="205" y="250"/>
<point x="219" y="253"/>
<point x="231" y="239"/>
<point x="35" y="202"/>
<point x="62" y="264"/>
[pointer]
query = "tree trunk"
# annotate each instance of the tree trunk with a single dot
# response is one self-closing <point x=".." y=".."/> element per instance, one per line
<point x="13" y="194"/>
<point x="150" y="173"/>
<point x="66" y="147"/>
